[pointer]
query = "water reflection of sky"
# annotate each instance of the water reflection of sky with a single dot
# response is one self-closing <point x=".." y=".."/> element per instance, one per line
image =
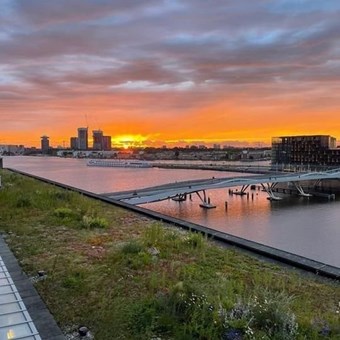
<point x="74" y="172"/>
<point x="308" y="227"/>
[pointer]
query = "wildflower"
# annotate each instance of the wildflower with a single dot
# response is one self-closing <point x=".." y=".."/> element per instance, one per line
<point x="325" y="331"/>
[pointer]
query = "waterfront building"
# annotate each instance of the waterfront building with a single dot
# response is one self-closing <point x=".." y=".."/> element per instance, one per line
<point x="83" y="139"/>
<point x="106" y="143"/>
<point x="97" y="136"/>
<point x="74" y="143"/>
<point x="305" y="150"/>
<point x="101" y="142"/>
<point x="7" y="149"/>
<point x="45" y="144"/>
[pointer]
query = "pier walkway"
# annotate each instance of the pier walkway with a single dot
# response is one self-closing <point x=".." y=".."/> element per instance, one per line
<point x="179" y="190"/>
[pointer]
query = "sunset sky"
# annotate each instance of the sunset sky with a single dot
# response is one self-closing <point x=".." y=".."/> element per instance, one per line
<point x="156" y="72"/>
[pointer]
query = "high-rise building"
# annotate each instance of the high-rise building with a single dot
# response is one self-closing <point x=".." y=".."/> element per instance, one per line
<point x="101" y="142"/>
<point x="83" y="139"/>
<point x="74" y="143"/>
<point x="97" y="136"/>
<point x="107" y="143"/>
<point x="45" y="144"/>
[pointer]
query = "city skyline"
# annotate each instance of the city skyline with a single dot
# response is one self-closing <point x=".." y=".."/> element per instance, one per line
<point x="165" y="72"/>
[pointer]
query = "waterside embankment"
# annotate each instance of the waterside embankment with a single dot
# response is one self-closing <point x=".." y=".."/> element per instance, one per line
<point x="255" y="169"/>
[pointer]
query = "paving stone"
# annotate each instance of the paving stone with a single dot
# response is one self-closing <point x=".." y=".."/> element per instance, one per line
<point x="41" y="316"/>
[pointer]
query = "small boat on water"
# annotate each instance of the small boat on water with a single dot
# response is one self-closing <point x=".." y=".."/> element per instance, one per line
<point x="118" y="163"/>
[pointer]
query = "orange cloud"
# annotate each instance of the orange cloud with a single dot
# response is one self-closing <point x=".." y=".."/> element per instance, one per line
<point x="233" y="71"/>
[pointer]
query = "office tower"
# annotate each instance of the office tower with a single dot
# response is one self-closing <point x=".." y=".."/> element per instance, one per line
<point x="97" y="136"/>
<point x="74" y="143"/>
<point x="83" y="138"/>
<point x="45" y="144"/>
<point x="107" y="143"/>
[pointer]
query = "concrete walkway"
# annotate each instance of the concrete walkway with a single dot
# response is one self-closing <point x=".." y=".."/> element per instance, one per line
<point x="23" y="315"/>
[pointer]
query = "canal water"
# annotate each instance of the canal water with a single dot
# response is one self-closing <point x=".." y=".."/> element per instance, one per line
<point x="308" y="227"/>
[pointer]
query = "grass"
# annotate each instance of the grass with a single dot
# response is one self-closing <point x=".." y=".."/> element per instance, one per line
<point x="126" y="276"/>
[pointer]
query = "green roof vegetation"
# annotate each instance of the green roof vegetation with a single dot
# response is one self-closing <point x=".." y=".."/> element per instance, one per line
<point x="126" y="276"/>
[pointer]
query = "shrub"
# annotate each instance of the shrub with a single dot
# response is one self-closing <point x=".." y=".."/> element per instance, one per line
<point x="142" y="318"/>
<point x="61" y="195"/>
<point x="266" y="314"/>
<point x="94" y="222"/>
<point x="138" y="261"/>
<point x="186" y="305"/>
<point x="134" y="256"/>
<point x="74" y="280"/>
<point x="154" y="236"/>
<point x="196" y="240"/>
<point x="182" y="313"/>
<point x="63" y="212"/>
<point x="23" y="202"/>
<point x="132" y="247"/>
<point x="273" y="316"/>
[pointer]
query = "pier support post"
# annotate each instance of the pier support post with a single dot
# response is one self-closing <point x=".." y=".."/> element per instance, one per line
<point x="205" y="201"/>
<point x="269" y="189"/>
<point x="300" y="190"/>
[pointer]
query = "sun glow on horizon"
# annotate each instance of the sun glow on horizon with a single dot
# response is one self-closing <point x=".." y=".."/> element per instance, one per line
<point x="127" y="141"/>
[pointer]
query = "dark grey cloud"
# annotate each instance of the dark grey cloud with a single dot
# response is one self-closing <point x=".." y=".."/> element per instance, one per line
<point x="38" y="12"/>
